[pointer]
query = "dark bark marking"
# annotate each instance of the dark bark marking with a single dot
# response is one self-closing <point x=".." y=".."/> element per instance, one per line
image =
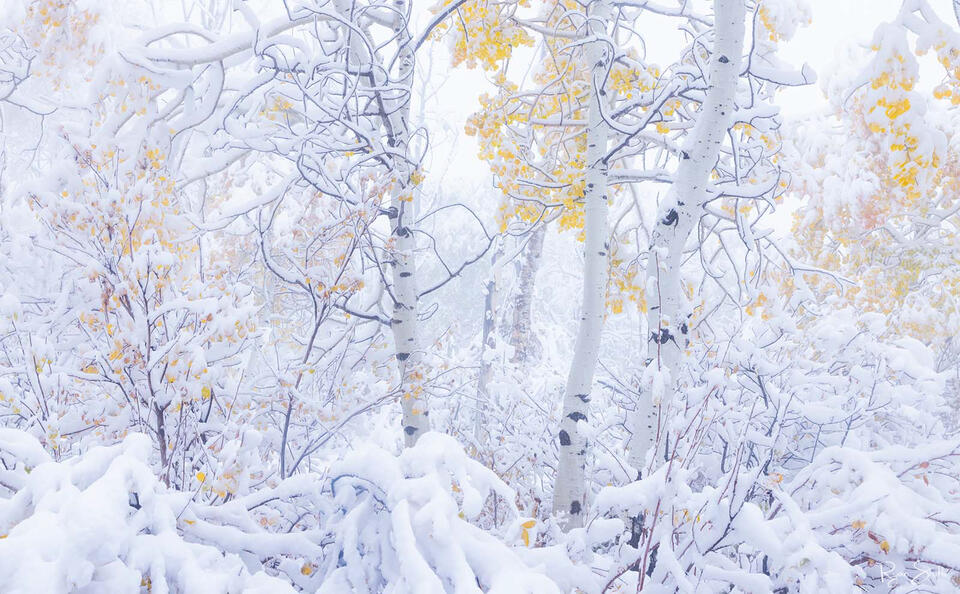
<point x="672" y="218"/>
<point x="663" y="337"/>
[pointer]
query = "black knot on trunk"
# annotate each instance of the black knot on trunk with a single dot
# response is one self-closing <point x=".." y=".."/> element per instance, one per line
<point x="671" y="219"/>
<point x="564" y="438"/>
<point x="663" y="337"/>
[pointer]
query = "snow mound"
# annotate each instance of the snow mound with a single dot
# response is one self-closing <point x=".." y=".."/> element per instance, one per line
<point x="103" y="522"/>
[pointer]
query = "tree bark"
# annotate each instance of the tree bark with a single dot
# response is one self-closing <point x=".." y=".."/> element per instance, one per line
<point x="488" y="342"/>
<point x="405" y="322"/>
<point x="521" y="334"/>
<point x="570" y="489"/>
<point x="677" y="217"/>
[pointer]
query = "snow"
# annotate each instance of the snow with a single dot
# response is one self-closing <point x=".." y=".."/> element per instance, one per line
<point x="270" y="323"/>
<point x="71" y="527"/>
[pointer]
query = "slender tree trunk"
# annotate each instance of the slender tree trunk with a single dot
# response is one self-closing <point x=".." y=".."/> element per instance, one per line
<point x="570" y="490"/>
<point x="405" y="322"/>
<point x="678" y="215"/>
<point x="488" y="342"/>
<point x="405" y="327"/>
<point x="521" y="335"/>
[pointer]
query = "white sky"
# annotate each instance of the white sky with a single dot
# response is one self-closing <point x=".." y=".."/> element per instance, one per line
<point x="837" y="26"/>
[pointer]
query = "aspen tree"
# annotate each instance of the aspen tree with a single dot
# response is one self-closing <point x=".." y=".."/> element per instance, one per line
<point x="570" y="488"/>
<point x="676" y="219"/>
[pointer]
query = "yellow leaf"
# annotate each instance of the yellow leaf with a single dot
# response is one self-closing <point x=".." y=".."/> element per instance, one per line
<point x="885" y="546"/>
<point x="307" y="569"/>
<point x="858" y="524"/>
<point x="205" y="392"/>
<point x="526" y="537"/>
<point x="201" y="476"/>
<point x="529" y="524"/>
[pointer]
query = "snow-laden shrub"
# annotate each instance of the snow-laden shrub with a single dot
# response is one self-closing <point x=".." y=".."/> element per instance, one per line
<point x="820" y="465"/>
<point x="103" y="522"/>
<point x="374" y="522"/>
<point x="403" y="524"/>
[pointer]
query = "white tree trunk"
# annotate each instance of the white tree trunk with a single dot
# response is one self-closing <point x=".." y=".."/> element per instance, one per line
<point x="522" y="339"/>
<point x="488" y="342"/>
<point x="570" y="489"/>
<point x="405" y="323"/>
<point x="678" y="215"/>
<point x="405" y="327"/>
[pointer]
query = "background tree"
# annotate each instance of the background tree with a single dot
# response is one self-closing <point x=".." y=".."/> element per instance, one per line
<point x="890" y="230"/>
